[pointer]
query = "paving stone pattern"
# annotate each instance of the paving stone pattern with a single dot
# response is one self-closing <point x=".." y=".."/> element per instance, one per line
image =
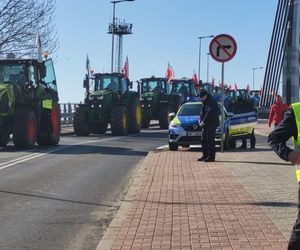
<point x="185" y="204"/>
<point x="270" y="181"/>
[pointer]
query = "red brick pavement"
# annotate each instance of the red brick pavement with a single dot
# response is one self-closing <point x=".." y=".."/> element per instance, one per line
<point x="185" y="204"/>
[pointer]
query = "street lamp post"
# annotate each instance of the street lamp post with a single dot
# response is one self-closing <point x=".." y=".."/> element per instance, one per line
<point x="113" y="30"/>
<point x="207" y="72"/>
<point x="199" y="65"/>
<point x="253" y="69"/>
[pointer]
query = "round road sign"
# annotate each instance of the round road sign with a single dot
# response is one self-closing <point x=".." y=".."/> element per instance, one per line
<point x="223" y="48"/>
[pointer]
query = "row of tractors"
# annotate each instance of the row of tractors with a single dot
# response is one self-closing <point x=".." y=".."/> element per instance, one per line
<point x="29" y="109"/>
<point x="30" y="113"/>
<point x="235" y="101"/>
<point x="112" y="102"/>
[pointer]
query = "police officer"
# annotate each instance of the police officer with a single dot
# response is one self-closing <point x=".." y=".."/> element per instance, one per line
<point x="287" y="128"/>
<point x="209" y="120"/>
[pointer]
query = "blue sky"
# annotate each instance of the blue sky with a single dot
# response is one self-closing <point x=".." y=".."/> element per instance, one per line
<point x="164" y="31"/>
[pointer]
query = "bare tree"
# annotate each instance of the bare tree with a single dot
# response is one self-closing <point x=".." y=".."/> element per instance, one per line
<point x="20" y="20"/>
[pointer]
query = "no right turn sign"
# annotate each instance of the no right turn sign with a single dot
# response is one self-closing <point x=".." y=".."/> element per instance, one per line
<point x="223" y="48"/>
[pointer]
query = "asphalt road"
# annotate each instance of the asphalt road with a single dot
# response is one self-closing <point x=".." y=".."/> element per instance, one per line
<point x="64" y="197"/>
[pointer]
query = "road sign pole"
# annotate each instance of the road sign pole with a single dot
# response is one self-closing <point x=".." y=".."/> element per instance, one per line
<point x="222" y="110"/>
<point x="222" y="48"/>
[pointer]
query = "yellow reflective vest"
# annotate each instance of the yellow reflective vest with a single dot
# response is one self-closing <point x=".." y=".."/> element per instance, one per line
<point x="296" y="109"/>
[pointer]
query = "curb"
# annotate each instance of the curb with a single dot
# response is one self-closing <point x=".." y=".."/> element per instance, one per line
<point x="261" y="133"/>
<point x="116" y="224"/>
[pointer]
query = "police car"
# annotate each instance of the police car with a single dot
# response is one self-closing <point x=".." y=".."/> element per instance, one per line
<point x="184" y="128"/>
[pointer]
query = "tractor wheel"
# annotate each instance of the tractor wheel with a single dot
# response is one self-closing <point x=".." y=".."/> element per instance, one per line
<point x="119" y="120"/>
<point x="99" y="128"/>
<point x="53" y="137"/>
<point x="145" y="122"/>
<point x="135" y="116"/>
<point x="164" y="117"/>
<point x="81" y="122"/>
<point x="24" y="128"/>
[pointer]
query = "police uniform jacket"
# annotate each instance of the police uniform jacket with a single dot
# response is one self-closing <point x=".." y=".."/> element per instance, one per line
<point x="286" y="129"/>
<point x="210" y="112"/>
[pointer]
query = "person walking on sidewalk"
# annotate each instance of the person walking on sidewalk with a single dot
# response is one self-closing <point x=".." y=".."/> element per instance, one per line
<point x="277" y="111"/>
<point x="209" y="120"/>
<point x="287" y="128"/>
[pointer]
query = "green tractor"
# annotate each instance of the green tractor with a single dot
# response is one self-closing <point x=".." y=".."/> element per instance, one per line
<point x="157" y="101"/>
<point x="29" y="108"/>
<point x="110" y="102"/>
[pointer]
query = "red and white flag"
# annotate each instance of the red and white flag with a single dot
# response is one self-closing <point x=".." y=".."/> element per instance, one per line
<point x="248" y="87"/>
<point x="126" y="68"/>
<point x="213" y="83"/>
<point x="220" y="84"/>
<point x="229" y="87"/>
<point x="235" y="87"/>
<point x="195" y="79"/>
<point x="170" y="72"/>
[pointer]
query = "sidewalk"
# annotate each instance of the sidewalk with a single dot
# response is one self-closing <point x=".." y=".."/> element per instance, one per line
<point x="244" y="200"/>
<point x="262" y="128"/>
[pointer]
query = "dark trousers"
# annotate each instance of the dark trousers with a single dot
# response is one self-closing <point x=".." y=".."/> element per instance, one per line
<point x="294" y="242"/>
<point x="208" y="142"/>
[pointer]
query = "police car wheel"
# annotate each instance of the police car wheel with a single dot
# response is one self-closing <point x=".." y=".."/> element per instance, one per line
<point x="252" y="140"/>
<point x="173" y="146"/>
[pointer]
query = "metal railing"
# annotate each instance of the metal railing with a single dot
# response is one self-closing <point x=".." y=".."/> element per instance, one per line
<point x="67" y="111"/>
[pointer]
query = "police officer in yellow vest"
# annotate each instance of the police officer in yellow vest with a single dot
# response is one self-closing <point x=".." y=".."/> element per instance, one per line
<point x="287" y="128"/>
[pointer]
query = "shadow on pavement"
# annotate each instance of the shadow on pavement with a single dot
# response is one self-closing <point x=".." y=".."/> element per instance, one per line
<point x="254" y="203"/>
<point x="59" y="199"/>
<point x="242" y="150"/>
<point x="151" y="135"/>
<point x="258" y="162"/>
<point x="273" y="203"/>
<point x="106" y="150"/>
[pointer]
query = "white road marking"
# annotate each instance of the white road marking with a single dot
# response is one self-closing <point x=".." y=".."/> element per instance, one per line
<point x="37" y="155"/>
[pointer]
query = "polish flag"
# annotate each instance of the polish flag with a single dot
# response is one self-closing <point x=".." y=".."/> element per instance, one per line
<point x="126" y="68"/>
<point x="248" y="87"/>
<point x="170" y="72"/>
<point x="195" y="80"/>
<point x="212" y="84"/>
<point x="235" y="87"/>
<point x="229" y="87"/>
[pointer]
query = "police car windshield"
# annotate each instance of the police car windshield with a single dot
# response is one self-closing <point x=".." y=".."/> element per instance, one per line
<point x="190" y="110"/>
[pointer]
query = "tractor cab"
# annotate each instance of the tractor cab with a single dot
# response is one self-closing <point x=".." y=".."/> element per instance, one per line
<point x="207" y="87"/>
<point x="154" y="86"/>
<point x="29" y="107"/>
<point x="185" y="88"/>
<point x="106" y="85"/>
<point x="28" y="77"/>
<point x="114" y="82"/>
